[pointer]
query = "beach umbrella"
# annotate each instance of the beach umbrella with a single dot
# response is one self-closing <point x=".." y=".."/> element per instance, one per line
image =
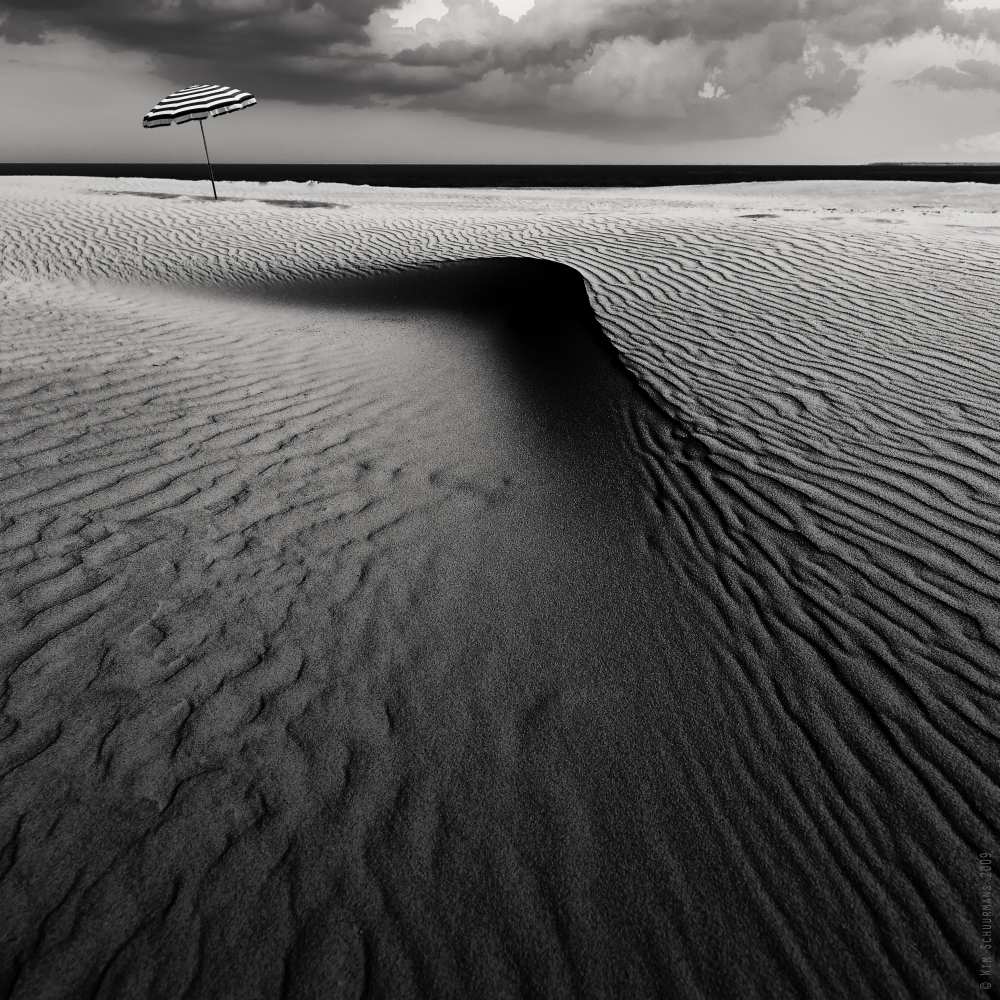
<point x="196" y="104"/>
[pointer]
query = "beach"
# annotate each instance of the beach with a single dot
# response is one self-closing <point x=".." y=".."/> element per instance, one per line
<point x="557" y="593"/>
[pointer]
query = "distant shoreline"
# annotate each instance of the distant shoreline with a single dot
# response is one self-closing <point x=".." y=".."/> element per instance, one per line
<point x="523" y="175"/>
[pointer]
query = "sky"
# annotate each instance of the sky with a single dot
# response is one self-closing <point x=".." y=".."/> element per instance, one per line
<point x="526" y="81"/>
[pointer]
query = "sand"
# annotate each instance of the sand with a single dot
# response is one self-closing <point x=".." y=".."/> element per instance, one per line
<point x="497" y="594"/>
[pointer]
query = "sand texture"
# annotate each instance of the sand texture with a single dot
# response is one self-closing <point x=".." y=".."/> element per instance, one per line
<point x="494" y="594"/>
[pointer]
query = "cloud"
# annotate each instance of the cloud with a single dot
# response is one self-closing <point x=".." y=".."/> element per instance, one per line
<point x="212" y="32"/>
<point x="967" y="74"/>
<point x="666" y="69"/>
<point x="684" y="68"/>
<point x="678" y="86"/>
<point x="21" y="29"/>
<point x="311" y="51"/>
<point x="977" y="147"/>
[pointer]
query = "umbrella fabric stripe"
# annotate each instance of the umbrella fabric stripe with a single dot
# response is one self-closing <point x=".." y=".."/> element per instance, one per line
<point x="199" y="89"/>
<point x="185" y="114"/>
<point x="200" y="96"/>
<point x="235" y="106"/>
<point x="195" y="87"/>
<point x="197" y="102"/>
<point x="191" y="91"/>
<point x="198" y="99"/>
<point x="199" y="105"/>
<point x="195" y="95"/>
<point x="191" y="116"/>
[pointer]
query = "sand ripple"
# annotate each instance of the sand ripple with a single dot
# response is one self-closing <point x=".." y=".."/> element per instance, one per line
<point x="342" y="618"/>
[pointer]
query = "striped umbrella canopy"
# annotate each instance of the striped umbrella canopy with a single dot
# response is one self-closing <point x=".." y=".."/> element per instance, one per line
<point x="205" y="100"/>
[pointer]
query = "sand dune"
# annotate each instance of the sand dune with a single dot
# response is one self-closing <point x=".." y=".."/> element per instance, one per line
<point x="496" y="594"/>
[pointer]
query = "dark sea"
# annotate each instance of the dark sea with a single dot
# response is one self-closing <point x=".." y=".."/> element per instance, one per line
<point x="523" y="176"/>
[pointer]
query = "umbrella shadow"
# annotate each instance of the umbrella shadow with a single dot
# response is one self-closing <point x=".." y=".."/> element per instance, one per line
<point x="163" y="195"/>
<point x="183" y="196"/>
<point x="138" y="194"/>
<point x="299" y="203"/>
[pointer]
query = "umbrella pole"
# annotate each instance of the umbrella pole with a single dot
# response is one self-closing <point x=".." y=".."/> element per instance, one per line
<point x="211" y="172"/>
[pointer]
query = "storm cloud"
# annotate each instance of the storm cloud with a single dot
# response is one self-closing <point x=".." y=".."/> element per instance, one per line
<point x="674" y="68"/>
